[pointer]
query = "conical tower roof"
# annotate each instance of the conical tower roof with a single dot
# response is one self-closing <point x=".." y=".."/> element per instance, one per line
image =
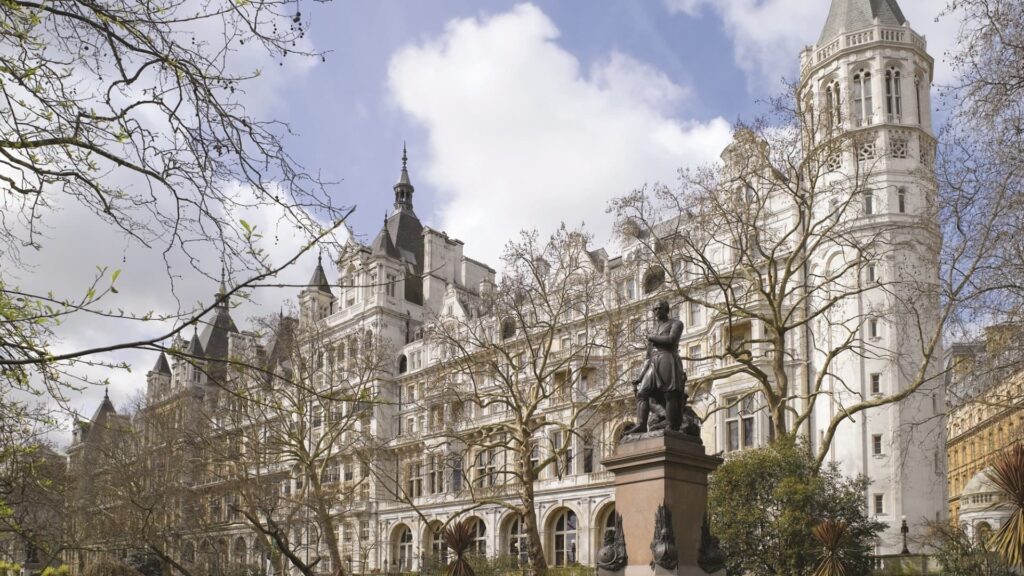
<point x="105" y="408"/>
<point x="852" y="15"/>
<point x="382" y="244"/>
<point x="319" y="279"/>
<point x="194" y="348"/>
<point x="162" y="366"/>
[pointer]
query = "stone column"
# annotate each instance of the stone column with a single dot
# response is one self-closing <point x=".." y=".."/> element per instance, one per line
<point x="655" y="468"/>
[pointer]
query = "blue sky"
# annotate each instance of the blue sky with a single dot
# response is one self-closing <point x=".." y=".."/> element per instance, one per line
<point x="722" y="55"/>
<point x="516" y="115"/>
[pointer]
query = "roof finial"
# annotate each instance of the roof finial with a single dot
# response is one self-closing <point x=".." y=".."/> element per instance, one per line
<point x="221" y="297"/>
<point x="106" y="392"/>
<point x="405" y="156"/>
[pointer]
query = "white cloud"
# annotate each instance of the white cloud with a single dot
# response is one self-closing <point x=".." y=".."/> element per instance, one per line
<point x="162" y="279"/>
<point x="767" y="35"/>
<point x="520" y="136"/>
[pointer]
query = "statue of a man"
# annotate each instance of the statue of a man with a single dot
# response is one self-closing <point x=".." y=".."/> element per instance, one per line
<point x="662" y="380"/>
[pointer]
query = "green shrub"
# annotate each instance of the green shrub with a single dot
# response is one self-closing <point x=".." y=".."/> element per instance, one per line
<point x="765" y="503"/>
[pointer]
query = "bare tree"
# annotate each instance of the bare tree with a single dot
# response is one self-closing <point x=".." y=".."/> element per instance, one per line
<point x="800" y="257"/>
<point x="135" y="114"/>
<point x="289" y="438"/>
<point x="530" y="369"/>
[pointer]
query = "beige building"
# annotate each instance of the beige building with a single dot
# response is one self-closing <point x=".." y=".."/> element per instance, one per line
<point x="987" y="416"/>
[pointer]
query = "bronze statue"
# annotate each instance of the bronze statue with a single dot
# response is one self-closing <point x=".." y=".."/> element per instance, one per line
<point x="661" y="385"/>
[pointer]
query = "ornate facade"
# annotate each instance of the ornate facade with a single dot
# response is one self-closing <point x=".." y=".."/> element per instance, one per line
<point x="869" y="75"/>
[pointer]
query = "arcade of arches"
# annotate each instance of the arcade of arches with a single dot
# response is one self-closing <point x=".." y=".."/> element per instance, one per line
<point x="570" y="536"/>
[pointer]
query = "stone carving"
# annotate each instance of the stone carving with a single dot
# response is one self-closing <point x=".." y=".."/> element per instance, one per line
<point x="663" y="548"/>
<point x="612" y="556"/>
<point x="710" y="557"/>
<point x="660" y="388"/>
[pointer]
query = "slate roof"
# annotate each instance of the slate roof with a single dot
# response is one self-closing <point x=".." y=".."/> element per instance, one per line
<point x="319" y="279"/>
<point x="851" y="15"/>
<point x="162" y="367"/>
<point x="194" y="348"/>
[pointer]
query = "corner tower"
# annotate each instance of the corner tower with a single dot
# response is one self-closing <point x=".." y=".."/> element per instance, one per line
<point x="864" y="94"/>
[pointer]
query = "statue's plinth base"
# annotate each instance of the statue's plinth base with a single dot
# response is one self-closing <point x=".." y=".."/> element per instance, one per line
<point x="659" y="467"/>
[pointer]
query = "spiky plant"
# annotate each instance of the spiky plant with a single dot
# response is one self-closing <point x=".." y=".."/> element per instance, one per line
<point x="459" y="536"/>
<point x="1007" y="474"/>
<point x="830" y="534"/>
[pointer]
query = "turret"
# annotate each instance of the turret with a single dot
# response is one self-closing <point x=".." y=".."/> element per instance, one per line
<point x="158" y="380"/>
<point x="316" y="301"/>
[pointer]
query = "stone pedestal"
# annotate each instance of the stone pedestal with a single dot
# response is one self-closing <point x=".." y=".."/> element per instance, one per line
<point x="651" y="469"/>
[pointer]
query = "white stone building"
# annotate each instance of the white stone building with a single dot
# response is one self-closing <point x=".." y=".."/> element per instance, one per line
<point x="869" y="74"/>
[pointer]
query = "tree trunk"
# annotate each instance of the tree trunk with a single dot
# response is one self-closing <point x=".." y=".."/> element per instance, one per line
<point x="534" y="544"/>
<point x="322" y="509"/>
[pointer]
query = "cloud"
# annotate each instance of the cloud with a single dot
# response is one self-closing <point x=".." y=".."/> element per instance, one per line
<point x="521" y="136"/>
<point x="162" y="279"/>
<point x="767" y="35"/>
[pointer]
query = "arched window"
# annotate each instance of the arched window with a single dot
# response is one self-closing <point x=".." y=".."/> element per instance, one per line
<point x="404" y="552"/>
<point x="917" y="99"/>
<point x="517" y="541"/>
<point x="239" y="552"/>
<point x="609" y="523"/>
<point x="403" y="364"/>
<point x="508" y="328"/>
<point x="893" y="95"/>
<point x="189" y="553"/>
<point x="832" y="105"/>
<point x="862" y="109"/>
<point x="653" y="280"/>
<point x="479" y="537"/>
<point x="983" y="531"/>
<point x="438" y="549"/>
<point x="565" y="538"/>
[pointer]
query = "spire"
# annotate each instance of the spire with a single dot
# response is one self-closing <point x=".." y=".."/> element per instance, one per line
<point x="382" y="244"/>
<point x="194" y="348"/>
<point x="221" y="299"/>
<point x="319" y="279"/>
<point x="852" y="15"/>
<point x="404" y="187"/>
<point x="162" y="367"/>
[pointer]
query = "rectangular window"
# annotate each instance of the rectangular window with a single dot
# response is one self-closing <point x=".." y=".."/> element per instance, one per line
<point x="457" y="474"/>
<point x="588" y="453"/>
<point x="694" y="356"/>
<point x="392" y="282"/>
<point x="901" y="200"/>
<point x="873" y="329"/>
<point x="876" y="383"/>
<point x="739" y="424"/>
<point x="566" y="343"/>
<point x="871" y="273"/>
<point x="879" y="504"/>
<point x="876" y="444"/>
<point x="695" y="319"/>
<point x="869" y="203"/>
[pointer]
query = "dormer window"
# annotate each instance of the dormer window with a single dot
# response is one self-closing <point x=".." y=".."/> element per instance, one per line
<point x="862" y="106"/>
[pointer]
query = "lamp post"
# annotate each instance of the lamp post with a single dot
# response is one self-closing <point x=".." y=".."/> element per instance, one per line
<point x="904" y="529"/>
